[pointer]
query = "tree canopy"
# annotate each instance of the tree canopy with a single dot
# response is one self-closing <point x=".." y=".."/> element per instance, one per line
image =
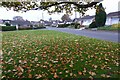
<point x="65" y="17"/>
<point x="51" y="5"/>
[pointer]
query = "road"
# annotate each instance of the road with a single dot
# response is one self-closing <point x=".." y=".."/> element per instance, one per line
<point x="103" y="35"/>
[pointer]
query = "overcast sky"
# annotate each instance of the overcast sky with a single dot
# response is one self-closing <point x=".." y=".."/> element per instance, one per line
<point x="110" y="5"/>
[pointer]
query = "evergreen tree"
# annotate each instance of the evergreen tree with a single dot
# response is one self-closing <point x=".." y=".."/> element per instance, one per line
<point x="100" y="17"/>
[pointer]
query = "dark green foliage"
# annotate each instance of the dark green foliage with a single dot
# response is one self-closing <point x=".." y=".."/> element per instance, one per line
<point x="25" y="28"/>
<point x="63" y="25"/>
<point x="75" y="25"/>
<point x="39" y="27"/>
<point x="92" y="25"/>
<point x="8" y="28"/>
<point x="100" y="17"/>
<point x="7" y="24"/>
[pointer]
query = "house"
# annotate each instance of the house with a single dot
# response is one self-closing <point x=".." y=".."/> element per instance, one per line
<point x="1" y="23"/>
<point x="20" y="23"/>
<point x="6" y="21"/>
<point x="113" y="18"/>
<point x="86" y="20"/>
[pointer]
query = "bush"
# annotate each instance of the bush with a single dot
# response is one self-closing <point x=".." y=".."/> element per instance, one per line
<point x="93" y="25"/>
<point x="8" y="28"/>
<point x="40" y="26"/>
<point x="116" y="25"/>
<point x="75" y="25"/>
<point x="7" y="24"/>
<point x="63" y="25"/>
<point x="25" y="28"/>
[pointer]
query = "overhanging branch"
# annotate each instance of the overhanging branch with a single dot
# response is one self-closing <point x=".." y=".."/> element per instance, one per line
<point x="74" y="3"/>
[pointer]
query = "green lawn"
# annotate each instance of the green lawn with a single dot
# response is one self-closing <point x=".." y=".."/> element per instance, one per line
<point x="52" y="54"/>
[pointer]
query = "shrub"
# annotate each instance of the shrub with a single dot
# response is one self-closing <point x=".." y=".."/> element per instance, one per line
<point x="25" y="28"/>
<point x="7" y="24"/>
<point x="63" y="25"/>
<point x="8" y="28"/>
<point x="116" y="25"/>
<point x="75" y="25"/>
<point x="40" y="26"/>
<point x="93" y="25"/>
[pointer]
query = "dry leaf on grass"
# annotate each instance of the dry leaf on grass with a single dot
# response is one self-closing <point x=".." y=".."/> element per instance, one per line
<point x="55" y="75"/>
<point x="30" y="76"/>
<point x="92" y="73"/>
<point x="80" y="73"/>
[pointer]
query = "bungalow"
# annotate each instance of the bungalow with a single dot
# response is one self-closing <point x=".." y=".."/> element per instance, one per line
<point x="20" y="23"/>
<point x="112" y="18"/>
<point x="86" y="20"/>
<point x="17" y="23"/>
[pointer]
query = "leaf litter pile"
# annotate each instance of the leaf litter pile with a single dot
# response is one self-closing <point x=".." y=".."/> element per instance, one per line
<point x="52" y="54"/>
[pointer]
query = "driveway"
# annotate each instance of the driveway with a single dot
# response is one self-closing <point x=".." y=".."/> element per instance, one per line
<point x="103" y="35"/>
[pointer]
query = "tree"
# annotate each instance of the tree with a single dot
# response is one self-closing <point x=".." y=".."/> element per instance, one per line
<point x="7" y="24"/>
<point x="65" y="17"/>
<point x="100" y="17"/>
<point x="59" y="6"/>
<point x="18" y="18"/>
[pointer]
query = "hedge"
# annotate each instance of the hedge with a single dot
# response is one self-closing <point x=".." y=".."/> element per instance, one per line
<point x="39" y="27"/>
<point x="63" y="25"/>
<point x="25" y="28"/>
<point x="8" y="28"/>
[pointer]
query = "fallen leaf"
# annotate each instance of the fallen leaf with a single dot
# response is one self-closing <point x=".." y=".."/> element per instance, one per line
<point x="80" y="73"/>
<point x="92" y="73"/>
<point x="29" y="71"/>
<point x="71" y="74"/>
<point x="71" y="65"/>
<point x="20" y="69"/>
<point x="36" y="59"/>
<point x="30" y="76"/>
<point x="103" y="75"/>
<point x="38" y="76"/>
<point x="19" y="74"/>
<point x="55" y="75"/>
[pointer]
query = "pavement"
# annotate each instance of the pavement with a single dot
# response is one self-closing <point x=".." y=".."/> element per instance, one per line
<point x="103" y="35"/>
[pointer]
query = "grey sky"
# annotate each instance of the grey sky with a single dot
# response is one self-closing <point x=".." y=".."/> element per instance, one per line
<point x="110" y="5"/>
